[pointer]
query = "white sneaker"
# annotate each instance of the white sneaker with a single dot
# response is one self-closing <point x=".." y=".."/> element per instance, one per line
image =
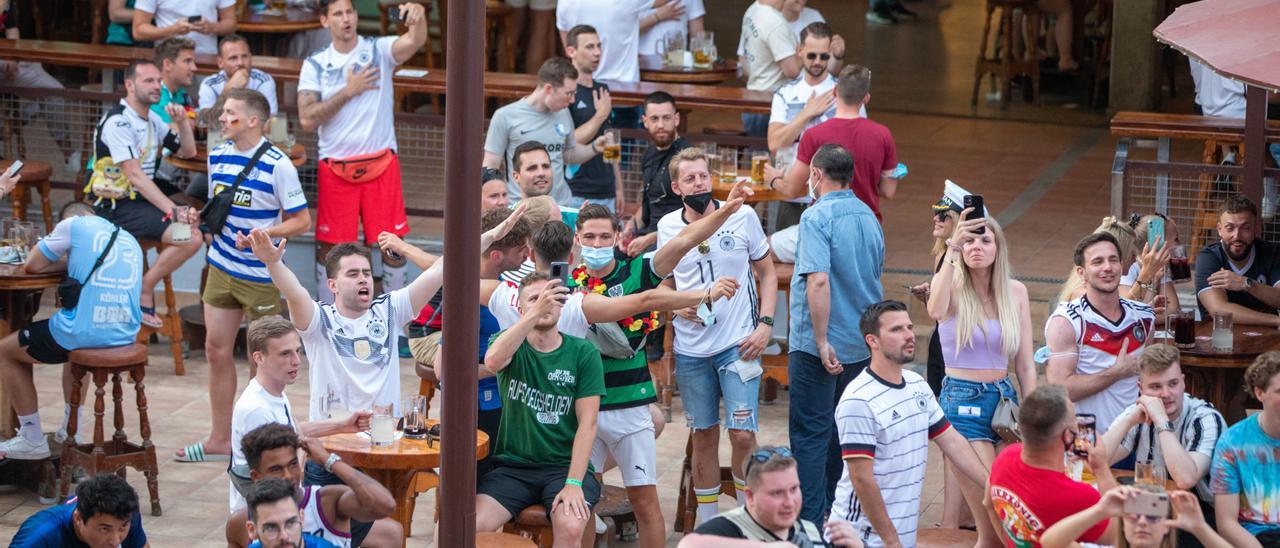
<point x="601" y="526"/>
<point x="73" y="165"/>
<point x="61" y="437"/>
<point x="19" y="448"/>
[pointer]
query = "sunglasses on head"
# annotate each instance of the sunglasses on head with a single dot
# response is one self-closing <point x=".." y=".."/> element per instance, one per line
<point x="763" y="455"/>
<point x="824" y="56"/>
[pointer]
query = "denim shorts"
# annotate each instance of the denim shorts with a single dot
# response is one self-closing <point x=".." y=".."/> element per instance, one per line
<point x="970" y="406"/>
<point x="704" y="381"/>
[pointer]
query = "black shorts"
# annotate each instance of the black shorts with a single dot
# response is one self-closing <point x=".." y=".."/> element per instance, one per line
<point x="517" y="486"/>
<point x="39" y="344"/>
<point x="137" y="217"/>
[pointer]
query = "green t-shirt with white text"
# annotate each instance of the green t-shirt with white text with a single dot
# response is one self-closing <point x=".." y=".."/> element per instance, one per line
<point x="539" y="390"/>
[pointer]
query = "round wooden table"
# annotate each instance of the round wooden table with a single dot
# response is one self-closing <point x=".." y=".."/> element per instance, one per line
<point x="404" y="467"/>
<point x="20" y="299"/>
<point x="269" y="22"/>
<point x="1218" y="376"/>
<point x="762" y="193"/>
<point x="200" y="162"/>
<point x="653" y="70"/>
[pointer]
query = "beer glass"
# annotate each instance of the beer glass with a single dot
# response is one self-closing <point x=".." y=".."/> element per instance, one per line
<point x="612" y="146"/>
<point x="728" y="165"/>
<point x="758" y="160"/>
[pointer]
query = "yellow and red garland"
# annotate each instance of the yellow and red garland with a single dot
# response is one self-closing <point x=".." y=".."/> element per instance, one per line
<point x="592" y="284"/>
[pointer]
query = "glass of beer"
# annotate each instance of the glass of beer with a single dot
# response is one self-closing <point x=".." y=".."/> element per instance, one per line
<point x="1184" y="329"/>
<point x="758" y="160"/>
<point x="279" y="5"/>
<point x="612" y="146"/>
<point x="703" y="45"/>
<point x="1179" y="265"/>
<point x="728" y="165"/>
<point x="181" y="229"/>
<point x="713" y="157"/>
<point x="382" y="426"/>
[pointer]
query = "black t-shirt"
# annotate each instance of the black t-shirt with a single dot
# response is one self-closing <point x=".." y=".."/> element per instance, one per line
<point x="659" y="199"/>
<point x="720" y="526"/>
<point x="594" y="179"/>
<point x="9" y="18"/>
<point x="1263" y="268"/>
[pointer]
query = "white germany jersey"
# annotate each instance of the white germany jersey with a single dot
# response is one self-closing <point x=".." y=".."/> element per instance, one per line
<point x="269" y="190"/>
<point x="891" y="423"/>
<point x="316" y="523"/>
<point x="727" y="253"/>
<point x="366" y="123"/>
<point x="261" y="82"/>
<point x="1098" y="342"/>
<point x="357" y="358"/>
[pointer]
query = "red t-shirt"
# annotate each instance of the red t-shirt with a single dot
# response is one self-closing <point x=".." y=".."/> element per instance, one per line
<point x="1028" y="500"/>
<point x="872" y="148"/>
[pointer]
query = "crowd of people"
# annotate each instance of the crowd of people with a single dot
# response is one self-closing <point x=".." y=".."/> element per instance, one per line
<point x="571" y="306"/>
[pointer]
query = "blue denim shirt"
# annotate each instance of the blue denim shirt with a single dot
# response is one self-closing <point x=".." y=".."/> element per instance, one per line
<point x="839" y="235"/>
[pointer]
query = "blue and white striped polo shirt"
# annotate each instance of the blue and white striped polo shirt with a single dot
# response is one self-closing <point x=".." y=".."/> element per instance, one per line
<point x="270" y="189"/>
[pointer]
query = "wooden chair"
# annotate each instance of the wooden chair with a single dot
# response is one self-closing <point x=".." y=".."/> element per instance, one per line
<point x="1004" y="63"/>
<point x="115" y="454"/>
<point x="533" y="523"/>
<point x="171" y="326"/>
<point x="663" y="370"/>
<point x="687" y="501"/>
<point x="502" y="540"/>
<point x="615" y="509"/>
<point x="35" y="176"/>
<point x="775" y="365"/>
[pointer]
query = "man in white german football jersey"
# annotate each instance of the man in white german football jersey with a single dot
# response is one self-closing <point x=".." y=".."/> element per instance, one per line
<point x="1094" y="341"/>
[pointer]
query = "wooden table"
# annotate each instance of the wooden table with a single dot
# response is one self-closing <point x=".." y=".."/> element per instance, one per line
<point x="20" y="299"/>
<point x="397" y="466"/>
<point x="272" y="28"/>
<point x="1120" y="475"/>
<point x="1218" y="376"/>
<point x="652" y="69"/>
<point x="200" y="162"/>
<point x="720" y="191"/>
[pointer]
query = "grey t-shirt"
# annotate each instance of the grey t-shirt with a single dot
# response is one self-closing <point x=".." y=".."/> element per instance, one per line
<point x="519" y="122"/>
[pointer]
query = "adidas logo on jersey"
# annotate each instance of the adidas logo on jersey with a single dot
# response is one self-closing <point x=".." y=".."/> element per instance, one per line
<point x="1096" y="338"/>
<point x="895" y="415"/>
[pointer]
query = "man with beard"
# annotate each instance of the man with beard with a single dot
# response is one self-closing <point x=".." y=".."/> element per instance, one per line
<point x="886" y="417"/>
<point x="718" y="345"/>
<point x="662" y="120"/>
<point x="1239" y="273"/>
<point x="1094" y="341"/>
<point x="531" y="170"/>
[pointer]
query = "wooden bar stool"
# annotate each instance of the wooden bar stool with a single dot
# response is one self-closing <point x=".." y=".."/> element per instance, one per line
<point x="35" y="175"/>
<point x="171" y="326"/>
<point x="502" y="540"/>
<point x="534" y="523"/>
<point x="1004" y="63"/>
<point x="687" y="500"/>
<point x="110" y="455"/>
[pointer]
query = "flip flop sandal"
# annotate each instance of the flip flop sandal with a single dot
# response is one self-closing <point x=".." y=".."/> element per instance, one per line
<point x="195" y="453"/>
<point x="151" y="310"/>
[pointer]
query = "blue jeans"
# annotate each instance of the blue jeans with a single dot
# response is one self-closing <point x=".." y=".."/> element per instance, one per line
<point x="704" y="381"/>
<point x="314" y="474"/>
<point x="814" y="439"/>
<point x="577" y="202"/>
<point x="755" y="125"/>
<point x="970" y="406"/>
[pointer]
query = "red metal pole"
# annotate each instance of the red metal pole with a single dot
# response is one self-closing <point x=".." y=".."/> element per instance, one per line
<point x="1255" y="144"/>
<point x="463" y="129"/>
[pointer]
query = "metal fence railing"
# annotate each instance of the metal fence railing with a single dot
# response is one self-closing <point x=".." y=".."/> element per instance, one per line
<point x="52" y="124"/>
<point x="1188" y="193"/>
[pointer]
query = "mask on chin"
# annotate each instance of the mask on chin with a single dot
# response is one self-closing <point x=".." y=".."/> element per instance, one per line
<point x="698" y="202"/>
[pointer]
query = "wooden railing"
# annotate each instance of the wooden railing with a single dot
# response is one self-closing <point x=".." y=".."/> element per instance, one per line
<point x="496" y="84"/>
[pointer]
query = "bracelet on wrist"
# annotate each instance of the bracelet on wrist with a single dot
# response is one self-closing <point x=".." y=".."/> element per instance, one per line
<point x="573" y="481"/>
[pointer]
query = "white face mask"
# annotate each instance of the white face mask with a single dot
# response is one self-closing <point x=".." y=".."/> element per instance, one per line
<point x="813" y="189"/>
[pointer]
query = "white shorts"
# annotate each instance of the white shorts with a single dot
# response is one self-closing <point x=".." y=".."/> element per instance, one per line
<point x="538" y="5"/>
<point x="627" y="434"/>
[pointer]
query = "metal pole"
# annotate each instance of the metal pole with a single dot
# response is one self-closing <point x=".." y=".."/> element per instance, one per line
<point x="463" y="129"/>
<point x="1255" y="145"/>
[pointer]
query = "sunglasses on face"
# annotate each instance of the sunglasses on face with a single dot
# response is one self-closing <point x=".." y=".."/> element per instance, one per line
<point x="763" y="455"/>
<point x="1149" y="519"/>
<point x="941" y="216"/>
<point x="823" y="56"/>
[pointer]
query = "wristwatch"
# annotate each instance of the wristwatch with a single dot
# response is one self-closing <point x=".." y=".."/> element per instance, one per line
<point x="1166" y="427"/>
<point x="1248" y="284"/>
<point x="767" y="320"/>
<point x="332" y="460"/>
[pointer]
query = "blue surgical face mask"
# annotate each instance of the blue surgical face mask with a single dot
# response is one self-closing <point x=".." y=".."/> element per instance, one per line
<point x="597" y="258"/>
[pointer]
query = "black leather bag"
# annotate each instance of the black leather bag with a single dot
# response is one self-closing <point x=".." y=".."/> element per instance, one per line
<point x="69" y="288"/>
<point x="214" y="214"/>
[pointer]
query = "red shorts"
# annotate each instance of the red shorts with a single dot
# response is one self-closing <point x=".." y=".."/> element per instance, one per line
<point x="343" y="204"/>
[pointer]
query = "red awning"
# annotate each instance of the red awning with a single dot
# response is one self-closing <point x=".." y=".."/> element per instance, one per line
<point x="1235" y="38"/>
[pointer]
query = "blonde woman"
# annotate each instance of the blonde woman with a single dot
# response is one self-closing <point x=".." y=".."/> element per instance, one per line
<point x="1150" y="263"/>
<point x="1136" y="531"/>
<point x="1148" y="277"/>
<point x="985" y="319"/>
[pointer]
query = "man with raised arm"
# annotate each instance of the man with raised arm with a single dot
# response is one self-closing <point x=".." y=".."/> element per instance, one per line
<point x="345" y="93"/>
